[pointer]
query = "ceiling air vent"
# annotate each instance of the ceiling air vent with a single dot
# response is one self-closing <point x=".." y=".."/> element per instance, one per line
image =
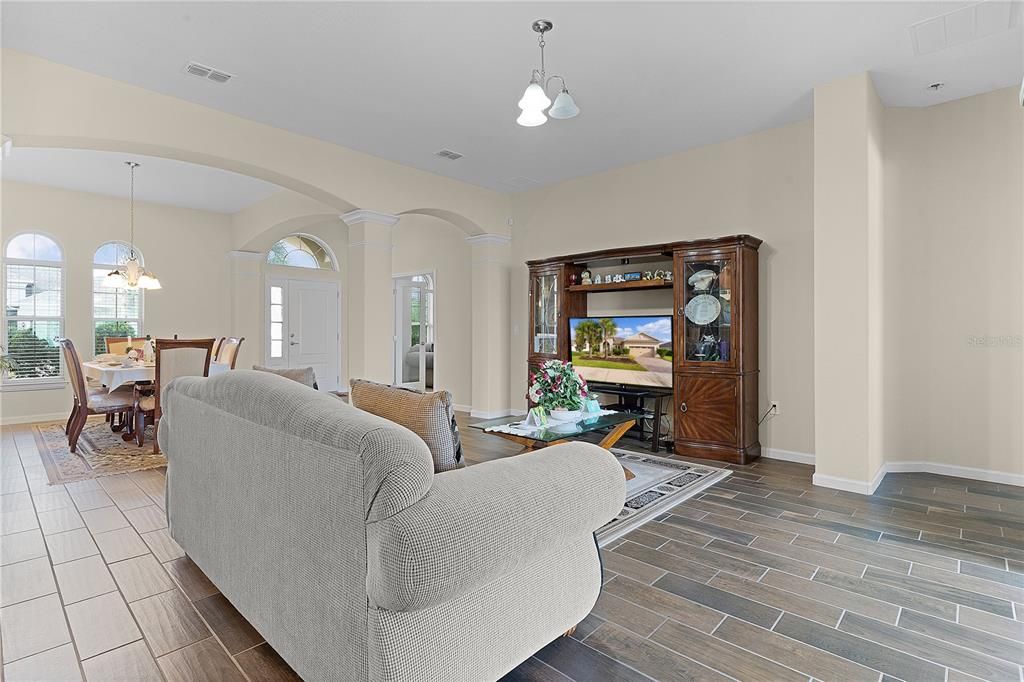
<point x="449" y="154"/>
<point x="196" y="69"/>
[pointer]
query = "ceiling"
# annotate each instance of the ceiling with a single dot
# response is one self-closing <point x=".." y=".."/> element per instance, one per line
<point x="160" y="181"/>
<point x="404" y="80"/>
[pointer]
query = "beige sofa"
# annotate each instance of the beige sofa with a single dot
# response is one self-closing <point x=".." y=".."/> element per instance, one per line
<point x="328" y="529"/>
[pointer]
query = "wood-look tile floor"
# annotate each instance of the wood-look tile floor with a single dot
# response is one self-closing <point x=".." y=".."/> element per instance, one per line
<point x="762" y="577"/>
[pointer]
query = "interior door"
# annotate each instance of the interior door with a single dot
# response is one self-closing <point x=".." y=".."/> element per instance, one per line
<point x="303" y="328"/>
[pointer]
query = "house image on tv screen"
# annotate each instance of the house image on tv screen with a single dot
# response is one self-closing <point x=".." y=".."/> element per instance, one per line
<point x="623" y="350"/>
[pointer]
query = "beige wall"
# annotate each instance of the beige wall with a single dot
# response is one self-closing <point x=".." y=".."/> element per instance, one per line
<point x="177" y="244"/>
<point x="760" y="185"/>
<point x="427" y="244"/>
<point x="954" y="213"/>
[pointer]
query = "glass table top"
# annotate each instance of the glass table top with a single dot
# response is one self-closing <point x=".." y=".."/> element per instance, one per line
<point x="554" y="430"/>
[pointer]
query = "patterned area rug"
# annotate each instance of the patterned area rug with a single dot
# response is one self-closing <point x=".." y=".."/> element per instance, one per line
<point x="101" y="452"/>
<point x="660" y="484"/>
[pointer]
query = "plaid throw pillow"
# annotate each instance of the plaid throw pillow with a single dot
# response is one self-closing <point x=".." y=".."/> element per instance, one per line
<point x="430" y="416"/>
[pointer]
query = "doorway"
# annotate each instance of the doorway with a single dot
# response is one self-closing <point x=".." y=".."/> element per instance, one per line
<point x="302" y="328"/>
<point x="414" y="331"/>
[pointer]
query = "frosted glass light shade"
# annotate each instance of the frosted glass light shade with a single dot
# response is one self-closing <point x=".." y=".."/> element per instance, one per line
<point x="565" y="106"/>
<point x="532" y="118"/>
<point x="534" y="98"/>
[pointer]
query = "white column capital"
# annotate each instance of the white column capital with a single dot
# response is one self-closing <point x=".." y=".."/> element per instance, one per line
<point x="362" y="215"/>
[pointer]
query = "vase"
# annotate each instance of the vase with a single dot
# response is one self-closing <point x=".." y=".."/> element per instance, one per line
<point x="562" y="415"/>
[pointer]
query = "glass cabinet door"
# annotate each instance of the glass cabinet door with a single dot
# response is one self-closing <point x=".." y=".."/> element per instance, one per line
<point x="707" y="312"/>
<point x="544" y="292"/>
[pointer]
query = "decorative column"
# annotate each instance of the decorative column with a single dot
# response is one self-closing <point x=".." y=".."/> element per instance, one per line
<point x="246" y="314"/>
<point x="848" y="305"/>
<point x="370" y="297"/>
<point x="491" y="343"/>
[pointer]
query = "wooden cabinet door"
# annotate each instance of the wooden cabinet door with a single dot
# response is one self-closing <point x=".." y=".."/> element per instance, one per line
<point x="545" y="315"/>
<point x="707" y="408"/>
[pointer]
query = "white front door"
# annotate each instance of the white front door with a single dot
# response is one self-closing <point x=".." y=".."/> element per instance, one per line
<point x="302" y="328"/>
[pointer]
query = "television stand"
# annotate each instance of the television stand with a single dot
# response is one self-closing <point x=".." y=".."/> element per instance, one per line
<point x="630" y="399"/>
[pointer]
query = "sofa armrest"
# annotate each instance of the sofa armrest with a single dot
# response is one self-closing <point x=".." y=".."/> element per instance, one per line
<point x="486" y="521"/>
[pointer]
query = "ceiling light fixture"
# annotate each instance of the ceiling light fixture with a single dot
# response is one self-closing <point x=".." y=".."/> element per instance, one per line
<point x="131" y="275"/>
<point x="535" y="100"/>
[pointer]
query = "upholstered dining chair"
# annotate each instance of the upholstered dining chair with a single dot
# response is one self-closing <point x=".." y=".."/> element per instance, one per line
<point x="117" y="345"/>
<point x="216" y="347"/>
<point x="89" y="400"/>
<point x="174" y="358"/>
<point x="229" y="348"/>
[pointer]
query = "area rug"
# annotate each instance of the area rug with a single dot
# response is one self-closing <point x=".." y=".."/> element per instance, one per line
<point x="101" y="452"/>
<point x="660" y="484"/>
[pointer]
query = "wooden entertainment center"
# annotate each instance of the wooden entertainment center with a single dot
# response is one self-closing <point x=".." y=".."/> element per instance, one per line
<point x="714" y="331"/>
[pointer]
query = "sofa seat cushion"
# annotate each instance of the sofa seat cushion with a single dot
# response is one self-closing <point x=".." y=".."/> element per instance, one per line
<point x="431" y="416"/>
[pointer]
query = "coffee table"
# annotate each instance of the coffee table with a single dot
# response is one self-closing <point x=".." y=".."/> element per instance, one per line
<point x="556" y="433"/>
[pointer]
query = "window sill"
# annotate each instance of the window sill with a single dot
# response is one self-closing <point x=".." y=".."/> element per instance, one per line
<point x="44" y="385"/>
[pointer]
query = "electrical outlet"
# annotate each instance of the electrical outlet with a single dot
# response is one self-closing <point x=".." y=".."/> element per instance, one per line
<point x="775" y="408"/>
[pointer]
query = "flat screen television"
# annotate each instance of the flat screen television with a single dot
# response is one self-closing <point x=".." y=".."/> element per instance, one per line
<point x="630" y="350"/>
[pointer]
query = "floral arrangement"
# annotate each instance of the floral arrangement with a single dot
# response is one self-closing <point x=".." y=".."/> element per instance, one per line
<point x="556" y="385"/>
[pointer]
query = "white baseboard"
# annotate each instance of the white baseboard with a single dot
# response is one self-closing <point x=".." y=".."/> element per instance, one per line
<point x="463" y="408"/>
<point x="31" y="418"/>
<point x="851" y="485"/>
<point x="838" y="483"/>
<point x="787" y="455"/>
<point x="953" y="470"/>
<point x="868" y="488"/>
<point x="493" y="414"/>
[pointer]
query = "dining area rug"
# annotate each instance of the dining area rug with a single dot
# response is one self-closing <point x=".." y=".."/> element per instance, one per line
<point x="101" y="452"/>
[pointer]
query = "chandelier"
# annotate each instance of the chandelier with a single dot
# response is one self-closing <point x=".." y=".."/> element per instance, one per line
<point x="535" y="100"/>
<point x="131" y="275"/>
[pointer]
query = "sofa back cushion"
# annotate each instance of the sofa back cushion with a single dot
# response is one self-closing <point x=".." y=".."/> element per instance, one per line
<point x="431" y="416"/>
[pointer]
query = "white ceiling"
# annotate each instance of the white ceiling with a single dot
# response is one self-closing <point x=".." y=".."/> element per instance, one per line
<point x="403" y="80"/>
<point x="160" y="181"/>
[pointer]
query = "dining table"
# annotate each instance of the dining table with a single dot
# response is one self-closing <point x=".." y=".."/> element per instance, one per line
<point x="113" y="374"/>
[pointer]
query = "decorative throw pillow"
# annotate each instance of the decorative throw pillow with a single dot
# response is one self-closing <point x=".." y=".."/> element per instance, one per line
<point x="431" y="416"/>
<point x="303" y="375"/>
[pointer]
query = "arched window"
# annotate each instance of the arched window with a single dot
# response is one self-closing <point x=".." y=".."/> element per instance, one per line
<point x="115" y="311"/>
<point x="33" y="316"/>
<point x="301" y="251"/>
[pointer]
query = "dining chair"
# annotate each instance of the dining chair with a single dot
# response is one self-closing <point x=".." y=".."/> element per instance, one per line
<point x="89" y="400"/>
<point x="174" y="358"/>
<point x="229" y="350"/>
<point x="117" y="345"/>
<point x="216" y="347"/>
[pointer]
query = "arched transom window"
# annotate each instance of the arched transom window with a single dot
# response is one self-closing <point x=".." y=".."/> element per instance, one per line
<point x="116" y="311"/>
<point x="301" y="251"/>
<point x="33" y="316"/>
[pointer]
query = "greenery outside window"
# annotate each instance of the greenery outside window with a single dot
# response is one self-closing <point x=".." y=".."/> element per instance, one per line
<point x="33" y="317"/>
<point x="115" y="311"/>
